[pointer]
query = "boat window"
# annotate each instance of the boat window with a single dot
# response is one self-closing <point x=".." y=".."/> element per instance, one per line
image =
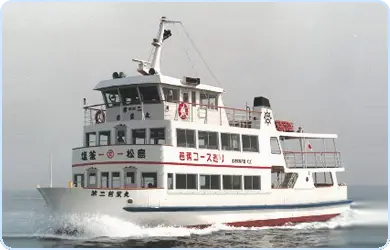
<point x="171" y="95"/>
<point x="149" y="180"/>
<point x="193" y="98"/>
<point x="90" y="139"/>
<point x="250" y="143"/>
<point x="275" y="147"/>
<point x="230" y="142"/>
<point x="139" y="136"/>
<point x="210" y="181"/>
<point x="232" y="182"/>
<point x="78" y="180"/>
<point x="149" y="94"/>
<point x="111" y="98"/>
<point x="157" y="136"/>
<point x="91" y="179"/>
<point x="322" y="179"/>
<point x="170" y="181"/>
<point x="129" y="179"/>
<point x="213" y="101"/>
<point x="129" y="96"/>
<point x="104" y="137"/>
<point x="186" y="97"/>
<point x="185" y="138"/>
<point x="120" y="135"/>
<point x="186" y="181"/>
<point x="204" y="100"/>
<point x="252" y="182"/>
<point x="104" y="179"/>
<point x="116" y="180"/>
<point x="208" y="139"/>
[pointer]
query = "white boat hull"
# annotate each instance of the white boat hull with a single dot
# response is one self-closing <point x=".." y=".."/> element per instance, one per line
<point x="78" y="200"/>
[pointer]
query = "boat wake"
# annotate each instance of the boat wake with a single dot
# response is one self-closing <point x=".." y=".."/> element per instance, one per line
<point x="97" y="226"/>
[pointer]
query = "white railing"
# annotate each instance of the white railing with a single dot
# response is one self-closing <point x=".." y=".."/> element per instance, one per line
<point x="312" y="159"/>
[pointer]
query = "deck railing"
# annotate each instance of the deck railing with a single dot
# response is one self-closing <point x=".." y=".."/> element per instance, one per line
<point x="312" y="159"/>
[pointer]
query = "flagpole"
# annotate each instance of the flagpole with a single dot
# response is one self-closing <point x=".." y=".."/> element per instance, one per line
<point x="51" y="170"/>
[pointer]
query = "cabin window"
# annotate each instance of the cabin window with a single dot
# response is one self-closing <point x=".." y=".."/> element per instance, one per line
<point x="250" y="143"/>
<point x="186" y="181"/>
<point x="209" y="100"/>
<point x="230" y="142"/>
<point x="139" y="136"/>
<point x="186" y="97"/>
<point x="111" y="98"/>
<point x="185" y="138"/>
<point x="92" y="179"/>
<point x="149" y="180"/>
<point x="129" y="96"/>
<point x="170" y="181"/>
<point x="210" y="181"/>
<point x="78" y="180"/>
<point x="193" y="98"/>
<point x="252" y="182"/>
<point x="116" y="180"/>
<point x="275" y="147"/>
<point x="104" y="179"/>
<point x="120" y="135"/>
<point x="157" y="136"/>
<point x="232" y="182"/>
<point x="171" y="95"/>
<point x="208" y="139"/>
<point x="149" y="94"/>
<point x="90" y="139"/>
<point x="322" y="179"/>
<point x="129" y="179"/>
<point x="104" y="137"/>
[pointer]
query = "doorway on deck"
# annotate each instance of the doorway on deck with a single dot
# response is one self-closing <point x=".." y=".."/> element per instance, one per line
<point x="149" y="180"/>
<point x="78" y="180"/>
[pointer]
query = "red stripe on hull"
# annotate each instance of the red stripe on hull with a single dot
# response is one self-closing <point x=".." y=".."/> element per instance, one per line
<point x="275" y="222"/>
<point x="167" y="163"/>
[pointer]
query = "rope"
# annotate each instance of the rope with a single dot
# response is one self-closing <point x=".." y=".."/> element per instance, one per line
<point x="185" y="51"/>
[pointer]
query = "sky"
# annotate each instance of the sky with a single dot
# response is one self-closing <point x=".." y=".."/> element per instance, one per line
<point x="322" y="65"/>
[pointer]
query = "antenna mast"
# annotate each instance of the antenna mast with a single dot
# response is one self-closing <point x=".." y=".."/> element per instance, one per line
<point x="157" y="42"/>
<point x="51" y="170"/>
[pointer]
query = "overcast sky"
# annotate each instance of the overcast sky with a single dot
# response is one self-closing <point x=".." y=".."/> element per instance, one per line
<point x="322" y="65"/>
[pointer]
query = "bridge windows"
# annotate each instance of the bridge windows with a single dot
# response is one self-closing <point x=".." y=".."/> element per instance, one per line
<point x="149" y="94"/>
<point x="322" y="179"/>
<point x="250" y="143"/>
<point x="130" y="96"/>
<point x="111" y="98"/>
<point x="209" y="100"/>
<point x="275" y="147"/>
<point x="139" y="136"/>
<point x="157" y="136"/>
<point x="230" y="142"/>
<point x="208" y="139"/>
<point x="185" y="138"/>
<point x="120" y="132"/>
<point x="171" y="94"/>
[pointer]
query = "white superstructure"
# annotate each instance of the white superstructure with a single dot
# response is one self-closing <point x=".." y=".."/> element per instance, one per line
<point x="162" y="150"/>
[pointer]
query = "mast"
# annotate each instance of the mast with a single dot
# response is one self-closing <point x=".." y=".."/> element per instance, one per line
<point x="51" y="170"/>
<point x="157" y="42"/>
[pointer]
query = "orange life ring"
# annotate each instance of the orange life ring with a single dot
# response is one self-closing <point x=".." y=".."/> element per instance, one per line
<point x="183" y="110"/>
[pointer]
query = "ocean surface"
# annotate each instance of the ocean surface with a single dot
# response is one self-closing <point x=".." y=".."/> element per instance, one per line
<point x="28" y="223"/>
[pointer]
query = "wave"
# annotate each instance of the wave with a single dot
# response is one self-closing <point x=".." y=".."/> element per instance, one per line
<point x="97" y="226"/>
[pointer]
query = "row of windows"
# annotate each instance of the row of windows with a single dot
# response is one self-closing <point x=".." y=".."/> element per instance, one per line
<point x="231" y="142"/>
<point x="150" y="94"/>
<point x="213" y="182"/>
<point x="138" y="136"/>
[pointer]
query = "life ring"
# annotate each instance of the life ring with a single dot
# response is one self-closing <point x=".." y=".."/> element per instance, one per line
<point x="100" y="117"/>
<point x="183" y="110"/>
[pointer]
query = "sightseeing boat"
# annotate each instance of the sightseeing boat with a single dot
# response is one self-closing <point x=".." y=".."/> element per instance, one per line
<point x="166" y="151"/>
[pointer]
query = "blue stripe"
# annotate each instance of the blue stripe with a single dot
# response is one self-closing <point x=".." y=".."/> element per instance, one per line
<point x="234" y="208"/>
